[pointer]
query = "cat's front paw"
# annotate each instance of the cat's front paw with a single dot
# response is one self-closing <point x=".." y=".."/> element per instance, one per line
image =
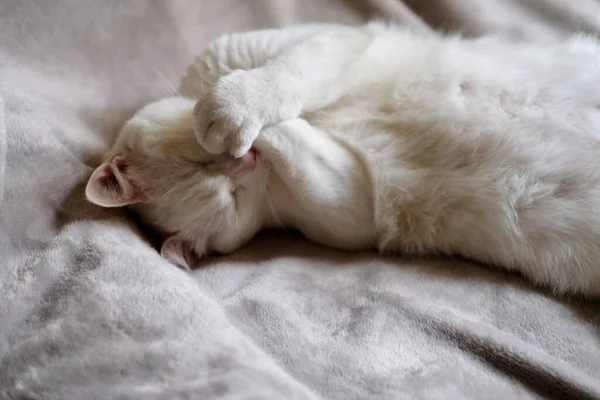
<point x="225" y="118"/>
<point x="240" y="105"/>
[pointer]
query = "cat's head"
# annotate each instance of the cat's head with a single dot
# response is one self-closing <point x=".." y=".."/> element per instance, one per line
<point x="192" y="197"/>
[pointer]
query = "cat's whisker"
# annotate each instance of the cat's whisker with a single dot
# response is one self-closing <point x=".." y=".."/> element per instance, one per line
<point x="171" y="88"/>
<point x="171" y="190"/>
<point x="186" y="82"/>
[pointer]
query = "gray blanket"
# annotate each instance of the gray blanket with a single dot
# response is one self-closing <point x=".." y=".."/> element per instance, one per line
<point x="89" y="310"/>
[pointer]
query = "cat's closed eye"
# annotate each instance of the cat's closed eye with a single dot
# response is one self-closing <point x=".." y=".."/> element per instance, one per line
<point x="202" y="163"/>
<point x="209" y="160"/>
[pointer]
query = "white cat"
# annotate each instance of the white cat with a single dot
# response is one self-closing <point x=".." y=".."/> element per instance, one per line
<point x="376" y="137"/>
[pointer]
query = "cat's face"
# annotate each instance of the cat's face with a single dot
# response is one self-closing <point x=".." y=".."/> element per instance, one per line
<point x="192" y="197"/>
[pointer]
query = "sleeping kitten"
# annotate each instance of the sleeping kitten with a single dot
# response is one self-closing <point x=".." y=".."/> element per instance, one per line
<point x="375" y="137"/>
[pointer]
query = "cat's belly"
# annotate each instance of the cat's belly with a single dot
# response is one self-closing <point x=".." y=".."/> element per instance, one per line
<point x="512" y="185"/>
<point x="535" y="209"/>
<point x="503" y="171"/>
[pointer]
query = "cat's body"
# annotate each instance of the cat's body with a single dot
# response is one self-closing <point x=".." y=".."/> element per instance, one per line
<point x="374" y="137"/>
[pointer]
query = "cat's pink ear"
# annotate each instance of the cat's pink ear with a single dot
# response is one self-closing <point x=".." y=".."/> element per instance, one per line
<point x="179" y="252"/>
<point x="110" y="187"/>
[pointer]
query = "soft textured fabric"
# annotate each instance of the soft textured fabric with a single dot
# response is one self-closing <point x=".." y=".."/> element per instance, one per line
<point x="89" y="310"/>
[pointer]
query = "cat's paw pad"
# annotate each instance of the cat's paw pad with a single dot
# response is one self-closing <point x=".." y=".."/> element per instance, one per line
<point x="229" y="118"/>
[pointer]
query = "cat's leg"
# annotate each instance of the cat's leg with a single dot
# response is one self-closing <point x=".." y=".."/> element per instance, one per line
<point x="307" y="76"/>
<point x="241" y="51"/>
<point x="307" y="159"/>
<point x="324" y="187"/>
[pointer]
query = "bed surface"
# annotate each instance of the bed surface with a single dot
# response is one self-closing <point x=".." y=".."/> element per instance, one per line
<point x="89" y="310"/>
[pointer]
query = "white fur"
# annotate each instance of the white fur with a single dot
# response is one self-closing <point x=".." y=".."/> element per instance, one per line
<point x="375" y="137"/>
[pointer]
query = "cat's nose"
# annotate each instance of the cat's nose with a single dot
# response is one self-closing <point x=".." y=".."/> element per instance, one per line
<point x="248" y="160"/>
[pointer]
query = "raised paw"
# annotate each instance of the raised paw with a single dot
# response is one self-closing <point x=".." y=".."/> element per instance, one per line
<point x="232" y="115"/>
